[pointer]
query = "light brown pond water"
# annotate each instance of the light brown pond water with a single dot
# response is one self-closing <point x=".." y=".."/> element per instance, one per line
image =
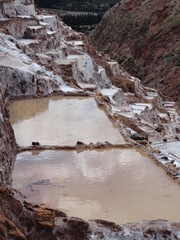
<point x="116" y="185"/>
<point x="61" y="121"/>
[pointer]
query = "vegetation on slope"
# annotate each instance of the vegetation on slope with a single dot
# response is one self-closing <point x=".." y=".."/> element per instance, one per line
<point x="144" y="37"/>
<point x="78" y="5"/>
<point x="81" y="15"/>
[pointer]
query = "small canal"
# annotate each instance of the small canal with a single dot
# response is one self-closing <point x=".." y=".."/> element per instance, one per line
<point x="120" y="185"/>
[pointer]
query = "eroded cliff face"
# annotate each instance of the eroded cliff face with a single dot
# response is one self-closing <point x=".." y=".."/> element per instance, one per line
<point x="40" y="56"/>
<point x="7" y="145"/>
<point x="143" y="36"/>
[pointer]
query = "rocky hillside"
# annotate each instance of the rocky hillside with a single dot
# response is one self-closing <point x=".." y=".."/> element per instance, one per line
<point x="144" y="37"/>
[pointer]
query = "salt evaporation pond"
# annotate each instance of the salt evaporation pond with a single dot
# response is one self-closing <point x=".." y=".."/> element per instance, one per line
<point x="61" y="121"/>
<point x="117" y="185"/>
<point x="120" y="185"/>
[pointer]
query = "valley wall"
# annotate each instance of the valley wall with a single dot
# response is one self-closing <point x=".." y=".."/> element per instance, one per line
<point x="143" y="36"/>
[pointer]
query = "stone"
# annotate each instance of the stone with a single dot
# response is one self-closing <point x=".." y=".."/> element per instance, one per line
<point x="45" y="218"/>
<point x="158" y="129"/>
<point x="79" y="143"/>
<point x="73" y="228"/>
<point x="35" y="143"/>
<point x="138" y="137"/>
<point x="59" y="213"/>
<point x="14" y="232"/>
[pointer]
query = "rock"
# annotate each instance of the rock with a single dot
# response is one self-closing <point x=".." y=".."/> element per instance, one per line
<point x="59" y="213"/>
<point x="177" y="130"/>
<point x="158" y="129"/>
<point x="35" y="143"/>
<point x="99" y="144"/>
<point x="106" y="143"/>
<point x="165" y="158"/>
<point x="143" y="142"/>
<point x="14" y="232"/>
<point x="79" y="143"/>
<point x="45" y="218"/>
<point x="109" y="225"/>
<point x="75" y="228"/>
<point x="139" y="137"/>
<point x="27" y="218"/>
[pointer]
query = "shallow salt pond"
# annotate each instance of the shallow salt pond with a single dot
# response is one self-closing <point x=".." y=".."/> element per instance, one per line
<point x="120" y="185"/>
<point x="61" y="121"/>
<point x="116" y="185"/>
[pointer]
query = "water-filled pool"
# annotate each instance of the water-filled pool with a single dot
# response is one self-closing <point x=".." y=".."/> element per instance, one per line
<point x="61" y="121"/>
<point x="116" y="185"/>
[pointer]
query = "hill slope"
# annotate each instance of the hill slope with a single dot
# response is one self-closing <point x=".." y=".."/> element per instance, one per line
<point x="144" y="37"/>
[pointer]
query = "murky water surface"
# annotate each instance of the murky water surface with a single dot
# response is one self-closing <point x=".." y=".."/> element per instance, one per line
<point x="116" y="185"/>
<point x="61" y="121"/>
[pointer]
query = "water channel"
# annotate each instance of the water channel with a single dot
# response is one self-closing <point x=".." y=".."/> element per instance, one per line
<point x="120" y="185"/>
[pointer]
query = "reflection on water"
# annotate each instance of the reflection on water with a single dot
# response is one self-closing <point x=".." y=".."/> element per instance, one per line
<point x="116" y="185"/>
<point x="21" y="110"/>
<point x="61" y="121"/>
